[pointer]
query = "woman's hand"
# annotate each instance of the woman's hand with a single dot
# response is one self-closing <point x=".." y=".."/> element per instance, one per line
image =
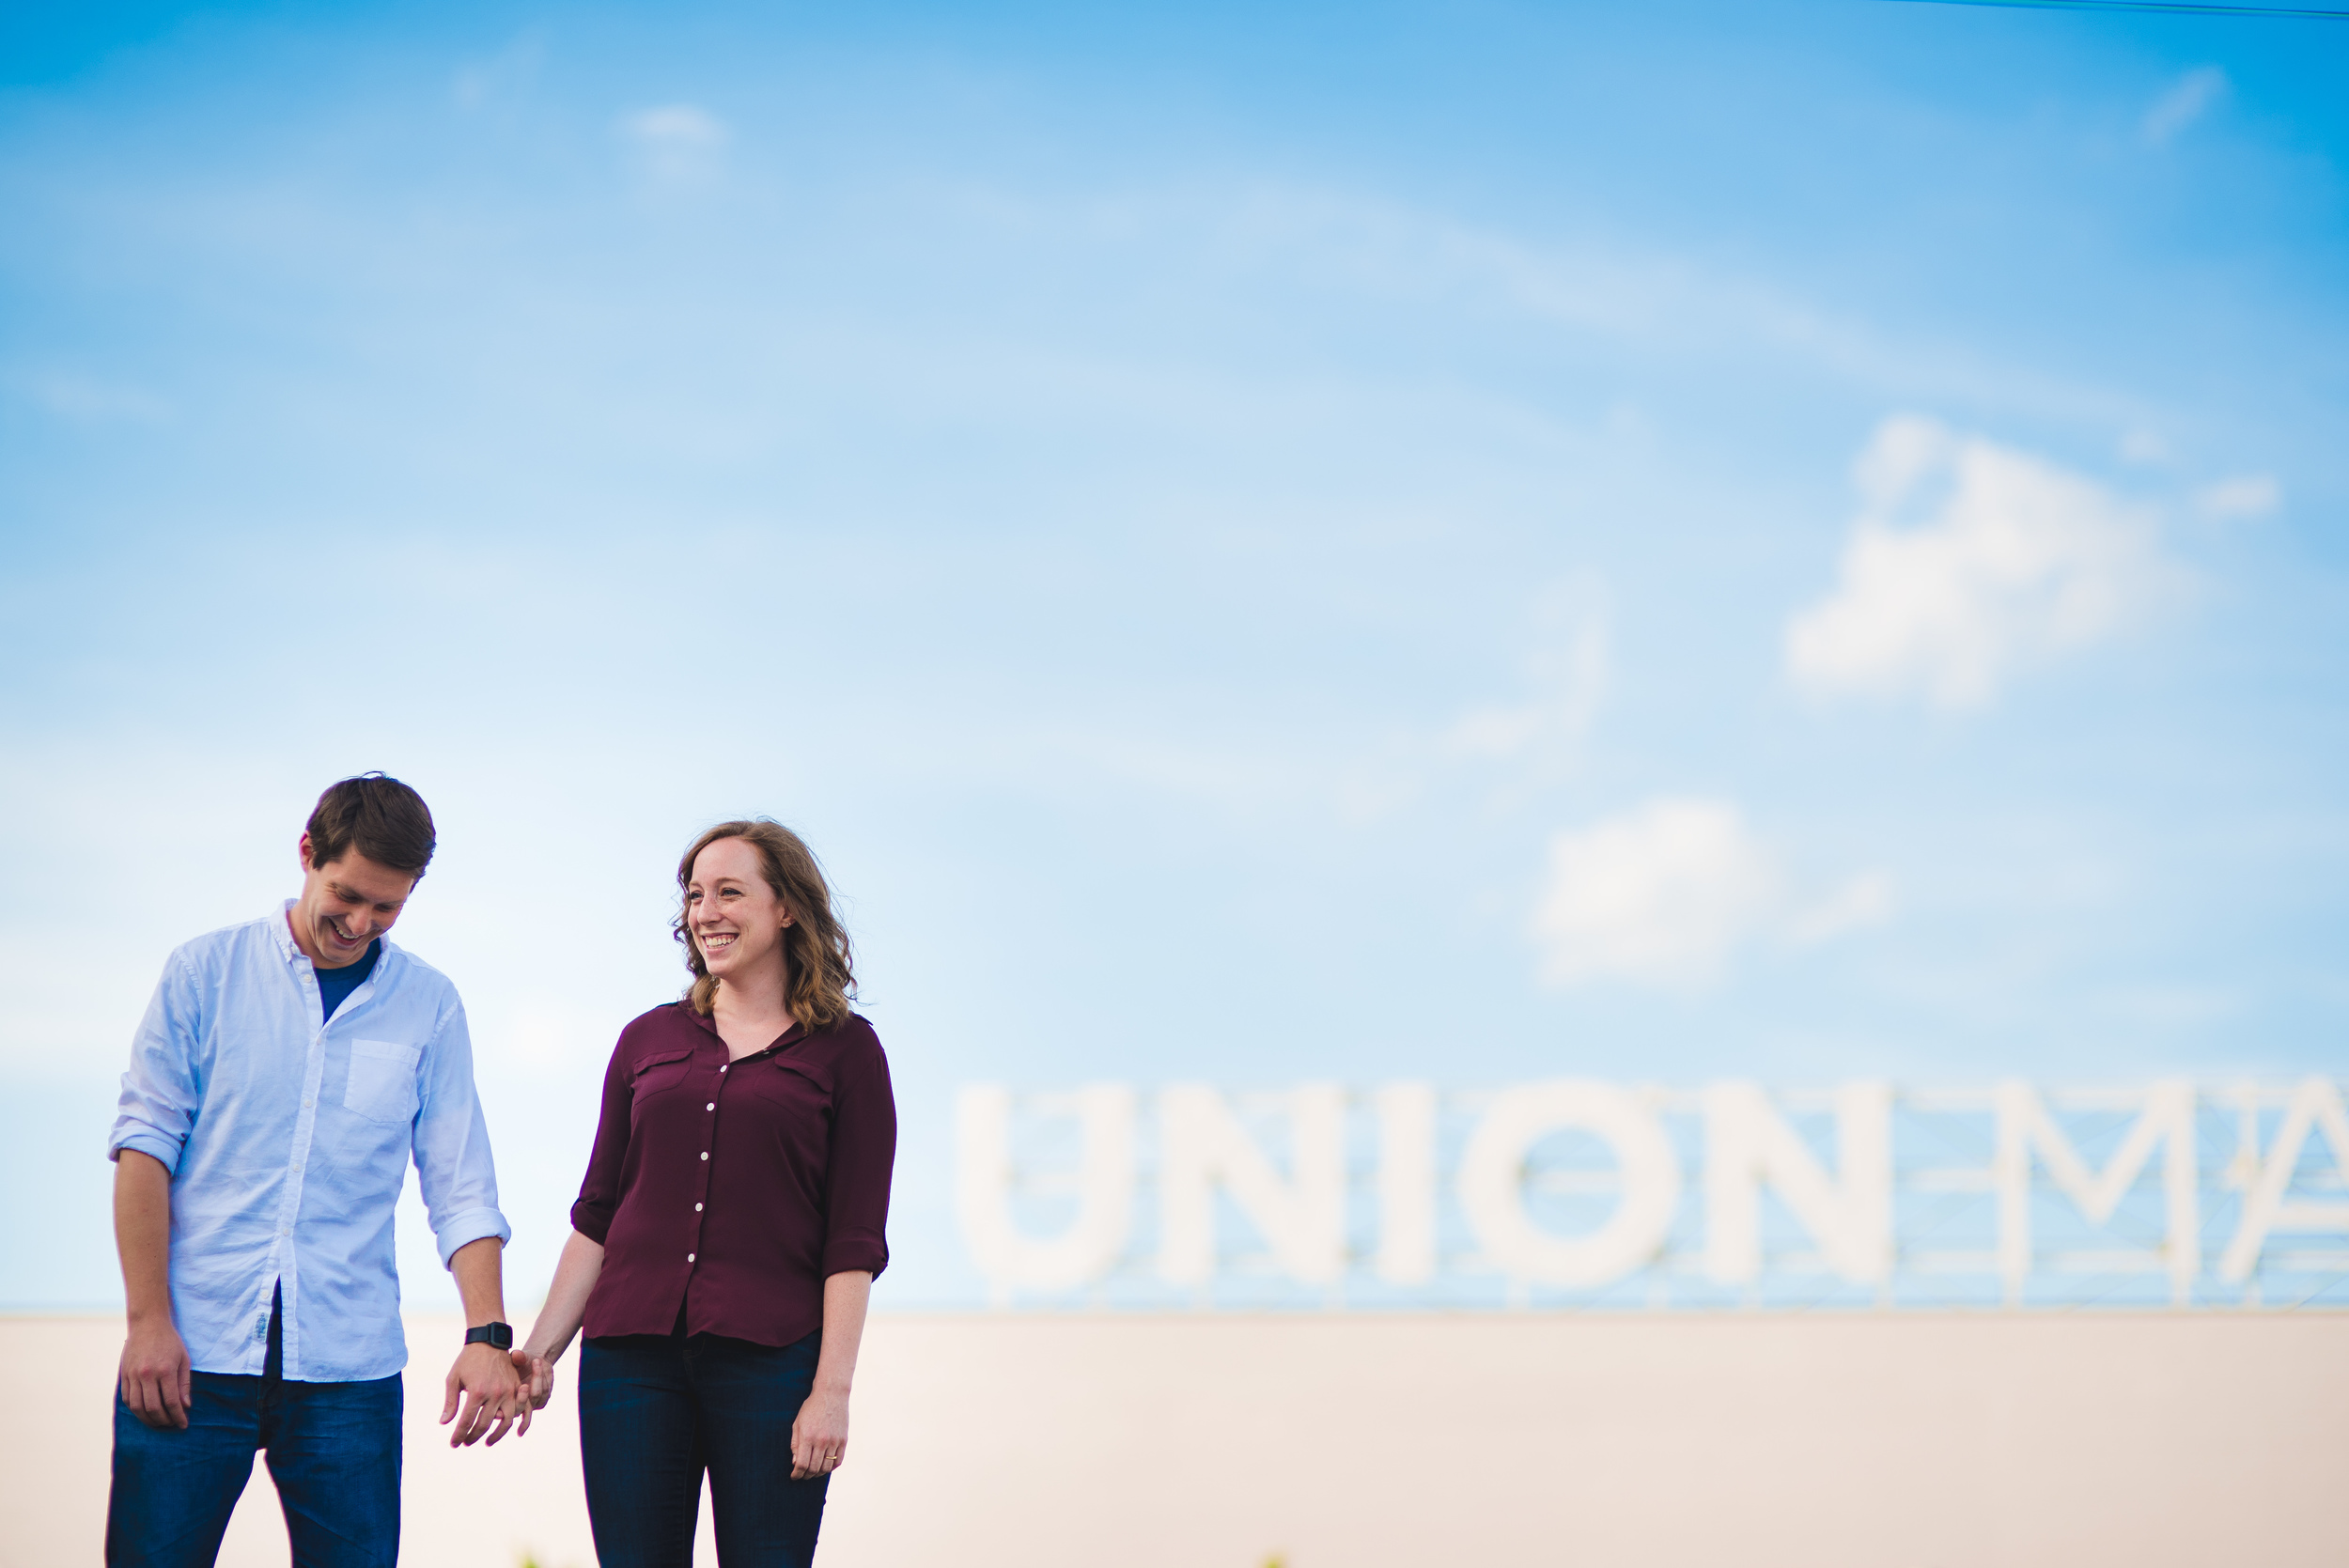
<point x="819" y="1437"/>
<point x="537" y="1376"/>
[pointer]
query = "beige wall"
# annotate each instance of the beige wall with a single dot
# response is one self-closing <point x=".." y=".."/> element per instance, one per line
<point x="1363" y="1441"/>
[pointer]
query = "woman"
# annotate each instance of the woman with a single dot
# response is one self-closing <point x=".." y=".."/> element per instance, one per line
<point x="726" y="1236"/>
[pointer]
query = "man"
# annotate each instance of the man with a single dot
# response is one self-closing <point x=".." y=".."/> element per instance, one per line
<point x="285" y="1072"/>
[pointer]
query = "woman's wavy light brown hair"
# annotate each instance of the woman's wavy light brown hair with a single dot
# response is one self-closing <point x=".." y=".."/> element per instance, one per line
<point x="819" y="974"/>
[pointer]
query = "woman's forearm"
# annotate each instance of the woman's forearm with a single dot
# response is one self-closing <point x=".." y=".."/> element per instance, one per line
<point x="566" y="1298"/>
<point x="845" y="1297"/>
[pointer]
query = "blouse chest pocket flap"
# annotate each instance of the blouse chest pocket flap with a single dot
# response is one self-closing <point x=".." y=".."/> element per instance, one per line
<point x="661" y="1070"/>
<point x="803" y="1075"/>
<point x="793" y="1085"/>
<point x="382" y="1082"/>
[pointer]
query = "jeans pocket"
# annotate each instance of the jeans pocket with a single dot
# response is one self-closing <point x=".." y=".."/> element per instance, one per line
<point x="382" y="1082"/>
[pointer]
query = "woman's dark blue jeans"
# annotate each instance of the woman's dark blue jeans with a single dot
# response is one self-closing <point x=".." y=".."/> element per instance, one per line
<point x="656" y="1410"/>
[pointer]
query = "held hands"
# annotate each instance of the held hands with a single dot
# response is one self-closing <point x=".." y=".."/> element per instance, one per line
<point x="493" y="1386"/>
<point x="501" y="1389"/>
<point x="157" y="1383"/>
<point x="819" y="1438"/>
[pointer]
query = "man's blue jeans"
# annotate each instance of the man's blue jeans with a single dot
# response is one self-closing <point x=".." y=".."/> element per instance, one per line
<point x="333" y="1448"/>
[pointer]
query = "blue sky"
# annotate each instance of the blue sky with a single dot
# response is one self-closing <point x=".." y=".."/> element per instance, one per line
<point x="1481" y="541"/>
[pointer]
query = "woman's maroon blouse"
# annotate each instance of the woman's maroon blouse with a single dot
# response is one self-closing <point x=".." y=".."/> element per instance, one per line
<point x="732" y="1190"/>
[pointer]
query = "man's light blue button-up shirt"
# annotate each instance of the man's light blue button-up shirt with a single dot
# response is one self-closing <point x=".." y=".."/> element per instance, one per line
<point x="288" y="1142"/>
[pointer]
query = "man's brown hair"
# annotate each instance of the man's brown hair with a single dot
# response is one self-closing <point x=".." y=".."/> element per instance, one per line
<point x="380" y="817"/>
<point x="820" y="974"/>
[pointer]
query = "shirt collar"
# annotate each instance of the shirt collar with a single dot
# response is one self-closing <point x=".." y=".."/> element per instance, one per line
<point x="791" y="1036"/>
<point x="281" y="931"/>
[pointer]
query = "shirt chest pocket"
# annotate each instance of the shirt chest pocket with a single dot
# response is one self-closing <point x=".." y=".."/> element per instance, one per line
<point x="795" y="1100"/>
<point x="382" y="1082"/>
<point x="655" y="1074"/>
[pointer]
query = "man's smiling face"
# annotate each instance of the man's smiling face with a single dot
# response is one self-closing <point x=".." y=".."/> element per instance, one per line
<point x="345" y="904"/>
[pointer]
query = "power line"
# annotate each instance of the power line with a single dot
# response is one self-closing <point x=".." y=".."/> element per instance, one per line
<point x="2173" y="8"/>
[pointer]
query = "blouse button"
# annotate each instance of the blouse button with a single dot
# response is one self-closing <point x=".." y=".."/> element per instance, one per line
<point x="697" y="1208"/>
<point x="689" y="1257"/>
<point x="711" y="1106"/>
<point x="705" y="1154"/>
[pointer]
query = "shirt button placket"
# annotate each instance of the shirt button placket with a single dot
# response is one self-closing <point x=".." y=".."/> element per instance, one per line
<point x="708" y="1106"/>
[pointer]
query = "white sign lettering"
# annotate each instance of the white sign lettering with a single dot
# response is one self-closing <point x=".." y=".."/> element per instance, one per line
<point x="1603" y="1192"/>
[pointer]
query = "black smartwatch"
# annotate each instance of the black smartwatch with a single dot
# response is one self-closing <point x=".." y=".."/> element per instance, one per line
<point x="498" y="1334"/>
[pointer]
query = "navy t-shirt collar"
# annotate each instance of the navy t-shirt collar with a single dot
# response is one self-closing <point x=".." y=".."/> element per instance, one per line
<point x="336" y="985"/>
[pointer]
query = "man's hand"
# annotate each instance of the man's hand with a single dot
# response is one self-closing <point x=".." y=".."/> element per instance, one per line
<point x="820" y="1434"/>
<point x="492" y="1391"/>
<point x="157" y="1384"/>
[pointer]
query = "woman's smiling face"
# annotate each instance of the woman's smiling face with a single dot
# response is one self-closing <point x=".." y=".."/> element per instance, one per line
<point x="736" y="921"/>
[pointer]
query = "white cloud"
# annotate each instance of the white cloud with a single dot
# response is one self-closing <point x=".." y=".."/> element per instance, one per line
<point x="2186" y="102"/>
<point x="677" y="143"/>
<point x="1863" y="900"/>
<point x="1660" y="893"/>
<point x="1368" y="246"/>
<point x="1508" y="750"/>
<point x="1665" y="893"/>
<point x="86" y="400"/>
<point x="1967" y="561"/>
<point x="2249" y="495"/>
<point x="1569" y="684"/>
<point x="502" y="78"/>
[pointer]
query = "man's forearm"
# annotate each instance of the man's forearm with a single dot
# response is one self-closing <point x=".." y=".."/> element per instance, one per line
<point x="155" y="1374"/>
<point x="479" y="1268"/>
<point x="143" y="1235"/>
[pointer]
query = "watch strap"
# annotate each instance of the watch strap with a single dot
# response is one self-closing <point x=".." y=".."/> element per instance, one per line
<point x="500" y="1335"/>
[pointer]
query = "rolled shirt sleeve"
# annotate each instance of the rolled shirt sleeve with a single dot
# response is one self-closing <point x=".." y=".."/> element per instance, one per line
<point x="454" y="1172"/>
<point x="863" y="1151"/>
<point x="599" y="1190"/>
<point x="163" y="1087"/>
